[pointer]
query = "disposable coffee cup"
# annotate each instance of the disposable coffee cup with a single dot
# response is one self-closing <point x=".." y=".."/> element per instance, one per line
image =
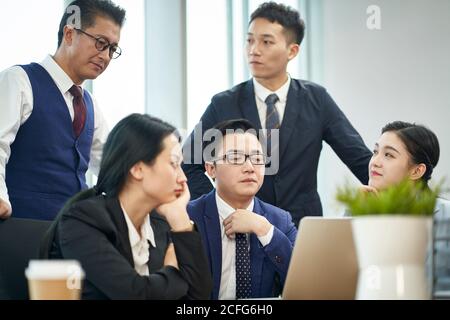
<point x="54" y="279"/>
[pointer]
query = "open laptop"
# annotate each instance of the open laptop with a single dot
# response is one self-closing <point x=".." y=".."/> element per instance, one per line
<point x="323" y="263"/>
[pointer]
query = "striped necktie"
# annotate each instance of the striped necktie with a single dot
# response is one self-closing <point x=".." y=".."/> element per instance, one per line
<point x="272" y="119"/>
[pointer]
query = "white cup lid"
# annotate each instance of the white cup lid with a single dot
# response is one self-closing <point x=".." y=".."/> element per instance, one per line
<point x="54" y="270"/>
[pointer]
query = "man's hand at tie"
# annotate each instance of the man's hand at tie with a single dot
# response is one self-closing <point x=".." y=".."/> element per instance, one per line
<point x="243" y="221"/>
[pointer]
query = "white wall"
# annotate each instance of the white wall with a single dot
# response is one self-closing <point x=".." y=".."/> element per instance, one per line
<point x="28" y="32"/>
<point x="401" y="72"/>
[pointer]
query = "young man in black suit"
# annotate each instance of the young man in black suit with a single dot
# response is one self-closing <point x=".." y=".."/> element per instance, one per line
<point x="302" y="114"/>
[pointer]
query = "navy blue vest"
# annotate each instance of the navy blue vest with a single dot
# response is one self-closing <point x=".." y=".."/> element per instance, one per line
<point x="48" y="163"/>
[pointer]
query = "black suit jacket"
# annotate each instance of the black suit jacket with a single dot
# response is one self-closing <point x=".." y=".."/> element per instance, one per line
<point x="311" y="116"/>
<point x="95" y="233"/>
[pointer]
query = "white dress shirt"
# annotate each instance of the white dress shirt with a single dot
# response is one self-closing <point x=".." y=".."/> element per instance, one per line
<point x="16" y="106"/>
<point x="261" y="94"/>
<point x="227" y="289"/>
<point x="139" y="243"/>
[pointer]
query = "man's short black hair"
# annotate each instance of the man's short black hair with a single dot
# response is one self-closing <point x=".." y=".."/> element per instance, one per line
<point x="90" y="10"/>
<point x="229" y="127"/>
<point x="286" y="16"/>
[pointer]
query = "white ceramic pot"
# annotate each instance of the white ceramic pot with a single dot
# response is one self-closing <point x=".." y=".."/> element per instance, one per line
<point x="391" y="252"/>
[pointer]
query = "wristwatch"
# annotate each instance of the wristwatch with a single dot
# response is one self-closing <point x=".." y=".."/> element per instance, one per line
<point x="192" y="227"/>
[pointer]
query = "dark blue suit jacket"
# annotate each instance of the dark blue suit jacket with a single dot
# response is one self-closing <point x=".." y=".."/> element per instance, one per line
<point x="269" y="264"/>
<point x="311" y="117"/>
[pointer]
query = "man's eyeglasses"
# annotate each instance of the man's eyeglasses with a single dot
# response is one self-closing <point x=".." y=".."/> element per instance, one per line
<point x="102" y="44"/>
<point x="239" y="158"/>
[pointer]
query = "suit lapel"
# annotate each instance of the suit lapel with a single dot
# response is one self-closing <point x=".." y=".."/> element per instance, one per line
<point x="160" y="230"/>
<point x="123" y="244"/>
<point x="214" y="240"/>
<point x="295" y="100"/>
<point x="248" y="106"/>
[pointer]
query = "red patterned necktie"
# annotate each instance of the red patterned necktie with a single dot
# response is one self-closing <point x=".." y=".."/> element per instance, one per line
<point x="79" y="109"/>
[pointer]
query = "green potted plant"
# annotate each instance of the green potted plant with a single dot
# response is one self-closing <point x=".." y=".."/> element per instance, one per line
<point x="392" y="231"/>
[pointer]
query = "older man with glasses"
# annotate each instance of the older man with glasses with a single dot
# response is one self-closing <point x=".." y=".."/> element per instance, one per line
<point x="248" y="242"/>
<point x="51" y="129"/>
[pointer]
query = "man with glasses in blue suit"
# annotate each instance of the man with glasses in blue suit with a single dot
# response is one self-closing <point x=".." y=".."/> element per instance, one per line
<point x="248" y="242"/>
<point x="51" y="129"/>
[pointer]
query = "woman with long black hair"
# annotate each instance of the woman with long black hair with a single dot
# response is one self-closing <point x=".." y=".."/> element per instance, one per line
<point x="131" y="233"/>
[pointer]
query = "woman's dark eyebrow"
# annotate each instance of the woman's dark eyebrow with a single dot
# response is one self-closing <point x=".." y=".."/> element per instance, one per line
<point x="392" y="148"/>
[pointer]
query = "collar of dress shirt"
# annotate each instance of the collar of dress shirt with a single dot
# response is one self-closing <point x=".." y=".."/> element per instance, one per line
<point x="262" y="92"/>
<point x="225" y="210"/>
<point x="58" y="75"/>
<point x="146" y="230"/>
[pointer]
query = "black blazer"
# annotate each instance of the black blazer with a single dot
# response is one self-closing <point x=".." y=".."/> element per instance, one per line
<point x="311" y="116"/>
<point x="95" y="233"/>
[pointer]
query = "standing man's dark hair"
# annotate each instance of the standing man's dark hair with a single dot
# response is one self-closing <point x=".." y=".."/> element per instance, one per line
<point x="422" y="144"/>
<point x="89" y="10"/>
<point x="286" y="16"/>
<point x="44" y="163"/>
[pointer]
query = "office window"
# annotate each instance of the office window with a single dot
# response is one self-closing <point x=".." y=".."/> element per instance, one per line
<point x="120" y="90"/>
<point x="28" y="30"/>
<point x="207" y="54"/>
